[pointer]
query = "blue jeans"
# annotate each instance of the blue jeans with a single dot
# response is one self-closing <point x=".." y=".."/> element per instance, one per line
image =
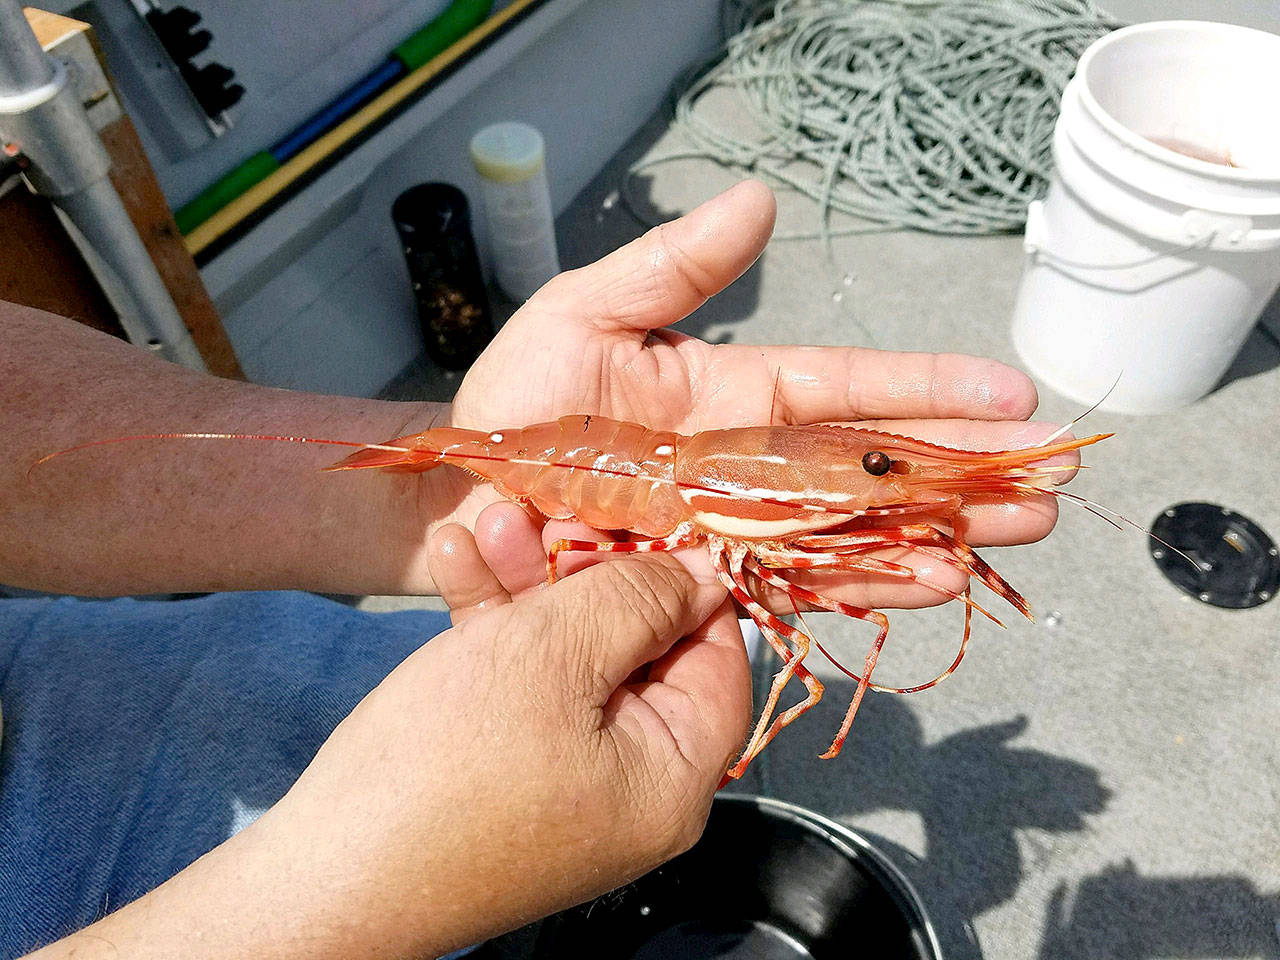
<point x="138" y="735"/>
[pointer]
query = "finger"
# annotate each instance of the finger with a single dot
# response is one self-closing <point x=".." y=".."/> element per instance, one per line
<point x="461" y="575"/>
<point x="996" y="436"/>
<point x="510" y="543"/>
<point x="986" y="435"/>
<point x="846" y="383"/>
<point x="700" y="692"/>
<point x="673" y="269"/>
<point x="995" y="520"/>
<point x="625" y="614"/>
<point x="935" y="581"/>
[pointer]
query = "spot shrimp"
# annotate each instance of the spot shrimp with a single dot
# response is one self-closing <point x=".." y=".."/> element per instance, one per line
<point x="767" y="501"/>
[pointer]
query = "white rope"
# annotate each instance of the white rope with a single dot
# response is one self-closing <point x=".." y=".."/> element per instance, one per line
<point x="903" y="114"/>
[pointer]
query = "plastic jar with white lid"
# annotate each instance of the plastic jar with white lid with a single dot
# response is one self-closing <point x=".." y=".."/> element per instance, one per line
<point x="511" y="160"/>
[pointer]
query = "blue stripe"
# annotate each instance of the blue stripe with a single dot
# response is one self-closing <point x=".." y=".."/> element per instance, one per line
<point x="346" y="104"/>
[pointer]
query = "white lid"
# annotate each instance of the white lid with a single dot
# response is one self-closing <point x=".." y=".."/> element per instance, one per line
<point x="507" y="152"/>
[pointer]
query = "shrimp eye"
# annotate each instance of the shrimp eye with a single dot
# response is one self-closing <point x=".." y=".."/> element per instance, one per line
<point x="876" y="463"/>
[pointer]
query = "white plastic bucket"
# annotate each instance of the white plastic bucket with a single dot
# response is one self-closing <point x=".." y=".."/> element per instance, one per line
<point x="1147" y="266"/>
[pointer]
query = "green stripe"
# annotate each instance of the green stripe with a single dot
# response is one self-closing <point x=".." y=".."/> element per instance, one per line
<point x="223" y="190"/>
<point x="457" y="20"/>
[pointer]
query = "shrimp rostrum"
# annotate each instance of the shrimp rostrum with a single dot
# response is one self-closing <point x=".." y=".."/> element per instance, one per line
<point x="767" y="501"/>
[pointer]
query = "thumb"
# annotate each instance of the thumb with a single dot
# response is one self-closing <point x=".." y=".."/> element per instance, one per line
<point x="623" y="614"/>
<point x="673" y="269"/>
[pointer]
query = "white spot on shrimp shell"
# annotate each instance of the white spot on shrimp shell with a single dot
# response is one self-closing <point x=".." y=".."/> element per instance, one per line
<point x="495" y="438"/>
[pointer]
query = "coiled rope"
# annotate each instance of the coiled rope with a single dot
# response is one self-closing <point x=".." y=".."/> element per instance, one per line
<point x="933" y="116"/>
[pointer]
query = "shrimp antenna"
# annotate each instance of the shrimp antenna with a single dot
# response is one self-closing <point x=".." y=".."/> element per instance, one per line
<point x="210" y="436"/>
<point x="1097" y="509"/>
<point x="1067" y="426"/>
<point x="1106" y="513"/>
<point x="777" y="390"/>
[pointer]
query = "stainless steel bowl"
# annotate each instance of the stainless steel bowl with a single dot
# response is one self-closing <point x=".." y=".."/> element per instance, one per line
<point x="768" y="880"/>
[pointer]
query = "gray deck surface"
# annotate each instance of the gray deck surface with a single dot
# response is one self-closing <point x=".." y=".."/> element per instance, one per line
<point x="1105" y="782"/>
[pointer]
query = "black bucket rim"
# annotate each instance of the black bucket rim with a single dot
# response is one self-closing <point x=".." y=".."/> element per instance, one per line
<point x="568" y="931"/>
<point x="856" y="846"/>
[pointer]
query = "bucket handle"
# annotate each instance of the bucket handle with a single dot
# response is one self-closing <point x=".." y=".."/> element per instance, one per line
<point x="1106" y="276"/>
<point x="1203" y="229"/>
<point x="1035" y="242"/>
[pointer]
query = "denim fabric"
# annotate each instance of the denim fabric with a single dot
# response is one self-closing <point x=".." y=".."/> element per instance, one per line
<point x="138" y="735"/>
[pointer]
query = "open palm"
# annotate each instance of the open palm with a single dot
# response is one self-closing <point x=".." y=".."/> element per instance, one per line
<point x="593" y="341"/>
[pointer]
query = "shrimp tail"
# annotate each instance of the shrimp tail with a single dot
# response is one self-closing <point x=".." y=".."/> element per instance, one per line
<point x="409" y="461"/>
<point x="416" y="453"/>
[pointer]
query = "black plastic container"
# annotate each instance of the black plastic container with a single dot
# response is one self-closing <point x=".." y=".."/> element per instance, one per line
<point x="769" y="881"/>
<point x="434" y="223"/>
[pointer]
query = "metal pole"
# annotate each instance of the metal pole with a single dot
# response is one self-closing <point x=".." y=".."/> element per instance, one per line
<point x="22" y="63"/>
<point x="43" y="120"/>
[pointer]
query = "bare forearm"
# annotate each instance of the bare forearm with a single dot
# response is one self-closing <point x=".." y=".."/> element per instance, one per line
<point x="178" y="515"/>
<point x="255" y="896"/>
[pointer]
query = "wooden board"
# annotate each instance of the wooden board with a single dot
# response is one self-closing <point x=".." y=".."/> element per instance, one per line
<point x="53" y="28"/>
<point x="138" y="188"/>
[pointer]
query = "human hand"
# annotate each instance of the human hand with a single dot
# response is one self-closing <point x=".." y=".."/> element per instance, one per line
<point x="531" y="757"/>
<point x="601" y="349"/>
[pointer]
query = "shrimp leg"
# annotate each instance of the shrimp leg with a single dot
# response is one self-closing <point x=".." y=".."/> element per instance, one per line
<point x="682" y="536"/>
<point x="729" y="569"/>
<point x="799" y="593"/>
<point x="858" y="613"/>
<point x="949" y="549"/>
